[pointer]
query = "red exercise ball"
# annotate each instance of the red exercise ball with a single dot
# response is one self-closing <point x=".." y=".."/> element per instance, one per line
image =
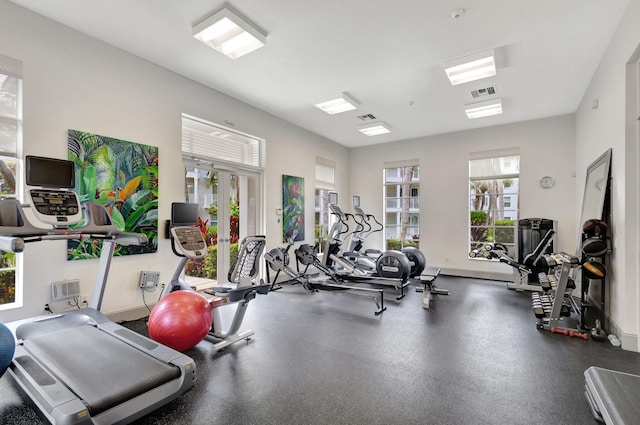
<point x="180" y="320"/>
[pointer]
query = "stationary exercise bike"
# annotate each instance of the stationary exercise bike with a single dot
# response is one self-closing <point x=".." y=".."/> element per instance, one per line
<point x="188" y="243"/>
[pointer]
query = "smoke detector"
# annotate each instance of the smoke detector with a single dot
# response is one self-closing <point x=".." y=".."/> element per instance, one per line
<point x="457" y="13"/>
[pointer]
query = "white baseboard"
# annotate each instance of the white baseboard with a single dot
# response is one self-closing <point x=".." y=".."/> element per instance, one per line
<point x="629" y="341"/>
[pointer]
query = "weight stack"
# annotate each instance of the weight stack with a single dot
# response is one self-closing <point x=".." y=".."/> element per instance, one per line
<point x="530" y="233"/>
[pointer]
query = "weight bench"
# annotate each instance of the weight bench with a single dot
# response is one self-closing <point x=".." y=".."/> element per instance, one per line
<point x="428" y="278"/>
<point x="613" y="396"/>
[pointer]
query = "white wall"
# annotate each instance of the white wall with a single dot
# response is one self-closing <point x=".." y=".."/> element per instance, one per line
<point x="613" y="124"/>
<point x="72" y="81"/>
<point x="546" y="148"/>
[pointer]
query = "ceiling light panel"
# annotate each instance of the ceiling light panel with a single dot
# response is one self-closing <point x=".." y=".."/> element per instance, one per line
<point x="335" y="104"/>
<point x="471" y="68"/>
<point x="375" y="128"/>
<point x="229" y="34"/>
<point x="484" y="109"/>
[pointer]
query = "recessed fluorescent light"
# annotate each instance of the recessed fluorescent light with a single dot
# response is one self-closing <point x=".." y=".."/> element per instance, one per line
<point x="375" y="128"/>
<point x="336" y="103"/>
<point x="471" y="68"/>
<point x="229" y="34"/>
<point x="484" y="109"/>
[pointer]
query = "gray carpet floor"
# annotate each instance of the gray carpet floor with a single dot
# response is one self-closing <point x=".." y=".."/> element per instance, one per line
<point x="475" y="357"/>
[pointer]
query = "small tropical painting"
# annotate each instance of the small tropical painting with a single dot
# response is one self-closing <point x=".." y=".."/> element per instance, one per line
<point x="292" y="208"/>
<point x="123" y="177"/>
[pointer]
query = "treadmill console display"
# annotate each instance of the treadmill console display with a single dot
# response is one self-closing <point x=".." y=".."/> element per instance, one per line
<point x="59" y="208"/>
<point x="189" y="241"/>
<point x="49" y="172"/>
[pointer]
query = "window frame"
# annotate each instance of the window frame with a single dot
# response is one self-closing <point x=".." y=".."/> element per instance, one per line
<point x="494" y="178"/>
<point x="12" y="264"/>
<point x="325" y="172"/>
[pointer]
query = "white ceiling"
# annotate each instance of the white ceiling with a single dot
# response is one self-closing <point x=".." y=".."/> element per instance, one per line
<point x="386" y="54"/>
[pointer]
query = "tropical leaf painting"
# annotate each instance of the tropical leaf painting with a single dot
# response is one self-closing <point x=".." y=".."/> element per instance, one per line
<point x="122" y="176"/>
<point x="292" y="208"/>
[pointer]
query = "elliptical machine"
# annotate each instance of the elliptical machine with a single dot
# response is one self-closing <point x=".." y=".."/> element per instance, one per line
<point x="364" y="229"/>
<point x="187" y="242"/>
<point x="392" y="267"/>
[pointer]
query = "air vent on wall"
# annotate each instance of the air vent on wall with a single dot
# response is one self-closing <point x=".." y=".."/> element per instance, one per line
<point x="367" y="117"/>
<point x="488" y="91"/>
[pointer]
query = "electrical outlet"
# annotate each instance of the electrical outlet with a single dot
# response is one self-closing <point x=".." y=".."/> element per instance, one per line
<point x="74" y="303"/>
<point x="149" y="279"/>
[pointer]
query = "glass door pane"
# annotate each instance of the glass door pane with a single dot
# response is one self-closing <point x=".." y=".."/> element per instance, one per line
<point x="229" y="212"/>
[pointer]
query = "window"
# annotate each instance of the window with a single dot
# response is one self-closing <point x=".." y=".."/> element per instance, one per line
<point x="401" y="205"/>
<point x="202" y="139"/>
<point x="223" y="175"/>
<point x="493" y="199"/>
<point x="10" y="147"/>
<point x="325" y="183"/>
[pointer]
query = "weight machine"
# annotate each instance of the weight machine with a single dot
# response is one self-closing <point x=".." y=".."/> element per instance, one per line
<point x="521" y="270"/>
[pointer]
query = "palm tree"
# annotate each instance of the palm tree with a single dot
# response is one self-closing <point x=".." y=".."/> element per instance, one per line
<point x="405" y="191"/>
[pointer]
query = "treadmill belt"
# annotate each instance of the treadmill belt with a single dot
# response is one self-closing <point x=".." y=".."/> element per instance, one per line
<point x="617" y="392"/>
<point x="100" y="369"/>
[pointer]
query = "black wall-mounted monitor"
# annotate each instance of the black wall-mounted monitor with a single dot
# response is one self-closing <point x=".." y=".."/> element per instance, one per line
<point x="49" y="172"/>
<point x="184" y="214"/>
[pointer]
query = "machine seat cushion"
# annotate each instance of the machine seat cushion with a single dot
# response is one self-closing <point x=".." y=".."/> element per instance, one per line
<point x="616" y="394"/>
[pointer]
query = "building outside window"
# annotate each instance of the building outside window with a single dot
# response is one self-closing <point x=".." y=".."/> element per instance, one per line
<point x="493" y="199"/>
<point x="10" y="147"/>
<point x="402" y="205"/>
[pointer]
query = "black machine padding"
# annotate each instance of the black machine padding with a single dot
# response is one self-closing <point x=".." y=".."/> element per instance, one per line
<point x="615" y="395"/>
<point x="107" y="371"/>
<point x="532" y="259"/>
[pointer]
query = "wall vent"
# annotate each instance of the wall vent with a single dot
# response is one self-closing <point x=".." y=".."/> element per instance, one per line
<point x="367" y="117"/>
<point x="487" y="91"/>
<point x="64" y="290"/>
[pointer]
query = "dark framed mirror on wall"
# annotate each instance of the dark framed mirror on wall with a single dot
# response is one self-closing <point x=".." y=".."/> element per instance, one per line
<point x="595" y="206"/>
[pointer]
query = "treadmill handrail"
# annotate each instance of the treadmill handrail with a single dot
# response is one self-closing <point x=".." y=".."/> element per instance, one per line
<point x="97" y="225"/>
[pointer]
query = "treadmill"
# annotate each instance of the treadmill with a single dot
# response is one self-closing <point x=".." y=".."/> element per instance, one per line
<point x="78" y="367"/>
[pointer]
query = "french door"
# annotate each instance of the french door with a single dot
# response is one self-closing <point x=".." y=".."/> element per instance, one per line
<point x="230" y="200"/>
